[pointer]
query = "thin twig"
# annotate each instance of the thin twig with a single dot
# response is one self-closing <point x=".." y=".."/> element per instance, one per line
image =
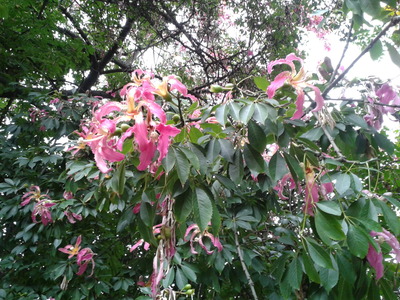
<point x="246" y="272"/>
<point x="343" y="53"/>
<point x="393" y="22"/>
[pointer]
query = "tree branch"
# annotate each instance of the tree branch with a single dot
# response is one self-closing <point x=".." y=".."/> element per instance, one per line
<point x="96" y="69"/>
<point x="393" y="22"/>
<point x="246" y="271"/>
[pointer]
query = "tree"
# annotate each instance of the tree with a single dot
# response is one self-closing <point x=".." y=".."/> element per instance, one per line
<point x="225" y="171"/>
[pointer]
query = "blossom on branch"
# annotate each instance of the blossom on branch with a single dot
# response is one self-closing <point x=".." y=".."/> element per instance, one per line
<point x="297" y="80"/>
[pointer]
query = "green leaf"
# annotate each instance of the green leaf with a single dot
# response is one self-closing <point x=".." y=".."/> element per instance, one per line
<point x="354" y="6"/>
<point x="118" y="180"/>
<point x="169" y="161"/>
<point x="371" y="7"/>
<point x="328" y="226"/>
<point x="330" y="207"/>
<point x="246" y="113"/>
<point x="295" y="169"/>
<point x="192" y="158"/>
<point x="194" y="134"/>
<point x="357" y="241"/>
<point x="319" y="255"/>
<point x="342" y="183"/>
<point x="257" y="137"/>
<point x="147" y="213"/>
<point x="261" y="82"/>
<point x="227" y="150"/>
<point x="384" y="143"/>
<point x="376" y="51"/>
<point x="313" y="134"/>
<point x="394" y="54"/>
<point x="253" y="159"/>
<point x="202" y="208"/>
<point x="235" y="110"/>
<point x="277" y="167"/>
<point x="182" y="166"/>
<point x="390" y="217"/>
<point x="260" y="112"/>
<point x="309" y="269"/>
<point x="180" y="278"/>
<point x="183" y="205"/>
<point x="189" y="273"/>
<point x="221" y="114"/>
<point x="295" y="273"/>
<point x="329" y="277"/>
<point x="236" y="169"/>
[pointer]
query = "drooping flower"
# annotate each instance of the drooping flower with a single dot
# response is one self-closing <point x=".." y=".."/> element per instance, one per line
<point x="83" y="257"/>
<point x="297" y="80"/>
<point x="197" y="236"/>
<point x="313" y="190"/>
<point x="34" y="194"/>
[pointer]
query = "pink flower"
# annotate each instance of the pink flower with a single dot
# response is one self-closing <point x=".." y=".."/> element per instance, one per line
<point x="295" y="79"/>
<point x="375" y="260"/>
<point x="83" y="257"/>
<point x="286" y="182"/>
<point x="42" y="209"/>
<point x="197" y="236"/>
<point x="72" y="250"/>
<point x="34" y="194"/>
<point x="140" y="243"/>
<point x="68" y="195"/>
<point x="72" y="217"/>
<point x="386" y="95"/>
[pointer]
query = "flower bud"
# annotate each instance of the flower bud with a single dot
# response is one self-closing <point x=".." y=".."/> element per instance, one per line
<point x="215" y="88"/>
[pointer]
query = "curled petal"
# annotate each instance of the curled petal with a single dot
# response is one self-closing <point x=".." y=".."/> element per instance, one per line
<point x="139" y="243"/>
<point x="375" y="260"/>
<point x="278" y="82"/>
<point x="299" y="104"/>
<point x="318" y="98"/>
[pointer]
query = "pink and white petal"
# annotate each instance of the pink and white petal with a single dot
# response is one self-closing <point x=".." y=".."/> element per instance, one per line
<point x="190" y="228"/>
<point x="278" y="82"/>
<point x="299" y="105"/>
<point x="137" y="244"/>
<point x="318" y="98"/>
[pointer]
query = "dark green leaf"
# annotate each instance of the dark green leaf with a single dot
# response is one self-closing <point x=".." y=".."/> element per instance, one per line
<point x="183" y="205"/>
<point x="295" y="273"/>
<point x="342" y="183"/>
<point x="309" y="269"/>
<point x="221" y="114"/>
<point x="182" y="166"/>
<point x="277" y="167"/>
<point x="319" y="255"/>
<point x="313" y="134"/>
<point x="384" y="143"/>
<point x="257" y="137"/>
<point x="330" y="207"/>
<point x="328" y="226"/>
<point x="390" y="217"/>
<point x="357" y="241"/>
<point x="202" y="208"/>
<point x="253" y="159"/>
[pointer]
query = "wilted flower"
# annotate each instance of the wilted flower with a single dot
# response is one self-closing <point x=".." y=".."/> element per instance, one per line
<point x="72" y="217"/>
<point x="197" y="236"/>
<point x="297" y="80"/>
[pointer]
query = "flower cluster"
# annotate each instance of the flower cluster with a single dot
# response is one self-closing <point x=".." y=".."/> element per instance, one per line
<point x="377" y="109"/>
<point x="139" y="116"/>
<point x="83" y="256"/>
<point x="298" y="80"/>
<point x="375" y="258"/>
<point x="41" y="207"/>
<point x="197" y="236"/>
